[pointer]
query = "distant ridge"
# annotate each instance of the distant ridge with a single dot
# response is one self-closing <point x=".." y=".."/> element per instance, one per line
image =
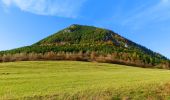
<point x="89" y="43"/>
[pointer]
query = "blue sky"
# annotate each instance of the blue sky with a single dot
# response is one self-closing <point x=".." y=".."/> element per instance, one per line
<point x="147" y="22"/>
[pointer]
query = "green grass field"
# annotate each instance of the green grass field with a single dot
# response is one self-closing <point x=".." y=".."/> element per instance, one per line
<point x="67" y="80"/>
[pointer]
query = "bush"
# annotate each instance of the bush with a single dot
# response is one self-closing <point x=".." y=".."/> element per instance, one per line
<point x="7" y="58"/>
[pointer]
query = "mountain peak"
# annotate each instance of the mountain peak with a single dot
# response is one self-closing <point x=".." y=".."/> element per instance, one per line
<point x="78" y="33"/>
<point x="76" y="25"/>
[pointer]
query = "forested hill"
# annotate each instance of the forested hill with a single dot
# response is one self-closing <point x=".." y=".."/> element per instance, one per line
<point x="88" y="43"/>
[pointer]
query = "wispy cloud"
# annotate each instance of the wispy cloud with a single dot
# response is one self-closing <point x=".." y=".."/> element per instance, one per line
<point x="155" y="13"/>
<point x="61" y="8"/>
<point x="165" y="1"/>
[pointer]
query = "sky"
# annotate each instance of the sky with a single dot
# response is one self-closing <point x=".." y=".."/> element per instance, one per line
<point x="146" y="22"/>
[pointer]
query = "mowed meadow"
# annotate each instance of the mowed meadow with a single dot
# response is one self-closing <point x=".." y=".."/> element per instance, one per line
<point x="71" y="80"/>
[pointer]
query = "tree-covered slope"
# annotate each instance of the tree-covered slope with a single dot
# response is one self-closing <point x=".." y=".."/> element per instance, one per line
<point x="91" y="44"/>
<point x="79" y="34"/>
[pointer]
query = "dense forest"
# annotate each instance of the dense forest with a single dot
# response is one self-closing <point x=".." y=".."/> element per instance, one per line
<point x="88" y="43"/>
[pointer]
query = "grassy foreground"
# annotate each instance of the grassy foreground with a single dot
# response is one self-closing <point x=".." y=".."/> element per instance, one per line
<point x="81" y="80"/>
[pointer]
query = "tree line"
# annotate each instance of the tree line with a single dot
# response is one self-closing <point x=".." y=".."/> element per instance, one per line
<point x="117" y="58"/>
